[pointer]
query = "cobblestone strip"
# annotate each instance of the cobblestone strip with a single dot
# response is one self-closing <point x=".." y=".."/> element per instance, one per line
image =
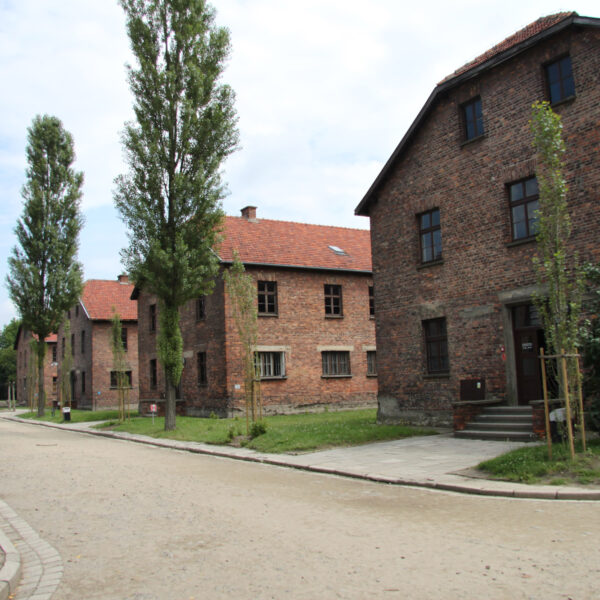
<point x="41" y="565"/>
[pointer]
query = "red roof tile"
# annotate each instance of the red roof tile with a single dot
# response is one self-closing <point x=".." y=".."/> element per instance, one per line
<point x="285" y="243"/>
<point x="51" y="338"/>
<point x="102" y="298"/>
<point x="527" y="32"/>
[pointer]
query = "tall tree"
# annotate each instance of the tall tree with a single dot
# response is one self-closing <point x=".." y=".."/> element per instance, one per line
<point x="119" y="365"/>
<point x="184" y="129"/>
<point x="45" y="278"/>
<point x="8" y="354"/>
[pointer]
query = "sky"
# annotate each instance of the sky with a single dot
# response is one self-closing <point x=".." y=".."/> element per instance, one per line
<point x="325" y="90"/>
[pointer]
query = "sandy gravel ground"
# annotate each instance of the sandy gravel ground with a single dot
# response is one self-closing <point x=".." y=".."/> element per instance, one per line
<point x="139" y="523"/>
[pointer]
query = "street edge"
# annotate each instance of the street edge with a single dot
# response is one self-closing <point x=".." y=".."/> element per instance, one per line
<point x="10" y="573"/>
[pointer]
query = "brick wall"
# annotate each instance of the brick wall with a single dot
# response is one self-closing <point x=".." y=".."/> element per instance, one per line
<point x="94" y="360"/>
<point x="300" y="330"/>
<point x="481" y="272"/>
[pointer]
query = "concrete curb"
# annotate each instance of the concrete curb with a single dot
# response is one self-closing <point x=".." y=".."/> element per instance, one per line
<point x="490" y="488"/>
<point x="10" y="573"/>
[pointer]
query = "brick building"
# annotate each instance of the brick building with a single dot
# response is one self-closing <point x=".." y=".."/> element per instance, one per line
<point x="453" y="222"/>
<point x="93" y="378"/>
<point x="316" y="344"/>
<point x="27" y="369"/>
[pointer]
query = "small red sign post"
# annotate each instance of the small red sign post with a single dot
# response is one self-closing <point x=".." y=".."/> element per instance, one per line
<point x="153" y="410"/>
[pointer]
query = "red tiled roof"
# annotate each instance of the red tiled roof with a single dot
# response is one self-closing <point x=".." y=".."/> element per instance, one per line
<point x="51" y="338"/>
<point x="102" y="298"/>
<point x="285" y="243"/>
<point x="532" y="29"/>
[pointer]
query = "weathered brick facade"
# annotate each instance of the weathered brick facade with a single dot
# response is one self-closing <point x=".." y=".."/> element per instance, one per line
<point x="92" y="356"/>
<point x="26" y="365"/>
<point x="483" y="272"/>
<point x="299" y="332"/>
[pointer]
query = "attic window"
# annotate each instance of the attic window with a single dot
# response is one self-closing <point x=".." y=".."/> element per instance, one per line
<point x="337" y="250"/>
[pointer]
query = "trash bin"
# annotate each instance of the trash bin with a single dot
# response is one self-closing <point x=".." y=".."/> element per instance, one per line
<point x="66" y="413"/>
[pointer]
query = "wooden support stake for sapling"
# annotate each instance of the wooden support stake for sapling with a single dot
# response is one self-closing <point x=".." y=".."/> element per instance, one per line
<point x="563" y="361"/>
<point x="546" y="410"/>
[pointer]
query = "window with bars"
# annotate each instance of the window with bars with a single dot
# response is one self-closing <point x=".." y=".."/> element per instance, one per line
<point x="371" y="301"/>
<point x="430" y="233"/>
<point x="83" y="382"/>
<point x="201" y="368"/>
<point x="72" y="344"/>
<point x="83" y="342"/>
<point x="200" y="308"/>
<point x="333" y="300"/>
<point x="472" y="119"/>
<point x="124" y="338"/>
<point x="436" y="345"/>
<point x="270" y="365"/>
<point x="54" y="353"/>
<point x="126" y="378"/>
<point x="267" y="297"/>
<point x="336" y="363"/>
<point x="371" y="362"/>
<point x="559" y="80"/>
<point x="524" y="204"/>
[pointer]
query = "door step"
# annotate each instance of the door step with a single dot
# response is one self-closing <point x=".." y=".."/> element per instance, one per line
<point x="505" y="423"/>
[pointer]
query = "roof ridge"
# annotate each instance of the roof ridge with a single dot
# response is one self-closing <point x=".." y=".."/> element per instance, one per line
<point x="260" y="220"/>
<point x="522" y="34"/>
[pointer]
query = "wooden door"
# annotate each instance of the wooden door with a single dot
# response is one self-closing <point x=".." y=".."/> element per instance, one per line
<point x="529" y="338"/>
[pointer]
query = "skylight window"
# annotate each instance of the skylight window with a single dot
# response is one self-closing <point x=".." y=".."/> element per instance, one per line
<point x="337" y="250"/>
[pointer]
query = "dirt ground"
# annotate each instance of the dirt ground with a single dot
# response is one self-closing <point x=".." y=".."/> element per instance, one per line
<point x="134" y="522"/>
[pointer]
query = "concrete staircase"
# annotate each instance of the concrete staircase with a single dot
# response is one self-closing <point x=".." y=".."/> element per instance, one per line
<point x="505" y="423"/>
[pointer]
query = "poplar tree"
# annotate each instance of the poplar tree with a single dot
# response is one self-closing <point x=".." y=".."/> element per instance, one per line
<point x="184" y="128"/>
<point x="45" y="278"/>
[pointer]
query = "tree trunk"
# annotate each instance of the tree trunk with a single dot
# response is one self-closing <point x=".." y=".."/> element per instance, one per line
<point x="41" y="402"/>
<point x="170" y="406"/>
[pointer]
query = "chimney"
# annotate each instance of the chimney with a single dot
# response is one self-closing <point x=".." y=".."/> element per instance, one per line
<point x="249" y="213"/>
<point x="123" y="278"/>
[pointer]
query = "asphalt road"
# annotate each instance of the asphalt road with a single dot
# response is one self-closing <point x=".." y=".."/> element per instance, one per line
<point x="142" y="523"/>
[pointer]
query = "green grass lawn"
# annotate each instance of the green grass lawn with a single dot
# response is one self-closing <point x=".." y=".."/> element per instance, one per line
<point x="77" y="416"/>
<point x="530" y="464"/>
<point x="284" y="433"/>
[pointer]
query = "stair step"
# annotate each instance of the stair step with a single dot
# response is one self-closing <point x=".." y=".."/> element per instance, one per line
<point x="500" y="426"/>
<point x="485" y="418"/>
<point x="511" y="436"/>
<point x="503" y="410"/>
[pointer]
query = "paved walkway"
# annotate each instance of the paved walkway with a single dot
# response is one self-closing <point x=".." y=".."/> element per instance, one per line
<point x="439" y="462"/>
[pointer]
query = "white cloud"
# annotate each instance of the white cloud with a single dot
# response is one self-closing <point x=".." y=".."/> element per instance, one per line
<point x="325" y="91"/>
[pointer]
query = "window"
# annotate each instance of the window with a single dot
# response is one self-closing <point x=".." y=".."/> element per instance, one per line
<point x="124" y="338"/>
<point x="371" y="301"/>
<point x="54" y="385"/>
<point x="72" y="344"/>
<point x="371" y="362"/>
<point x="267" y="297"/>
<point x="559" y="78"/>
<point x="152" y="310"/>
<point x="153" y="374"/>
<point x="83" y="342"/>
<point x="436" y="345"/>
<point x="523" y="206"/>
<point x="472" y="119"/>
<point x="54" y="353"/>
<point x="201" y="364"/>
<point x="114" y="378"/>
<point x="83" y="382"/>
<point x="431" y="236"/>
<point x="270" y="364"/>
<point x="200" y="308"/>
<point x="336" y="363"/>
<point x="333" y="300"/>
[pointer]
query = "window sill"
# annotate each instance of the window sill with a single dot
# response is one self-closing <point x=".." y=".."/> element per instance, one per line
<point x="334" y="316"/>
<point x="521" y="242"/>
<point x="268" y="314"/>
<point x="566" y="100"/>
<point x="431" y="263"/>
<point x="472" y="140"/>
<point x="114" y="387"/>
<point x="336" y="376"/>
<point x="436" y="375"/>
<point x="202" y="385"/>
<point x="371" y="374"/>
<point x="277" y="378"/>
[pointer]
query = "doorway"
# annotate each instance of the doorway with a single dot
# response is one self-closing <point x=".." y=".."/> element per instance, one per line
<point x="528" y="338"/>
